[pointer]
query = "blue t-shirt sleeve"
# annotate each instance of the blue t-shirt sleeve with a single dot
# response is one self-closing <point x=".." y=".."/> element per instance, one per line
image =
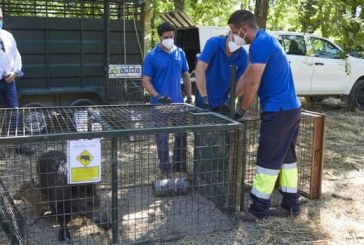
<point x="243" y="64"/>
<point x="209" y="50"/>
<point x="148" y="66"/>
<point x="259" y="52"/>
<point x="184" y="62"/>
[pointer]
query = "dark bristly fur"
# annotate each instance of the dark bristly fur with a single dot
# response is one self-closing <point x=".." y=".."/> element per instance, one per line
<point x="65" y="199"/>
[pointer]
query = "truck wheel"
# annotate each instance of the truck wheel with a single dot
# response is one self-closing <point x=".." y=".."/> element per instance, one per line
<point x="82" y="102"/>
<point x="356" y="96"/>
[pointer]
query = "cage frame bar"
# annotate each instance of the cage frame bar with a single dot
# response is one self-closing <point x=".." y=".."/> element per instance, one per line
<point x="317" y="160"/>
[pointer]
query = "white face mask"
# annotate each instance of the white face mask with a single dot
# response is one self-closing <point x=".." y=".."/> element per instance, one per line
<point x="233" y="46"/>
<point x="239" y="40"/>
<point x="168" y="43"/>
<point x="236" y="42"/>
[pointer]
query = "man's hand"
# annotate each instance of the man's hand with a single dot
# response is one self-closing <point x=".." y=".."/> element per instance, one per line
<point x="163" y="99"/>
<point x="205" y="103"/>
<point x="10" y="77"/>
<point x="189" y="100"/>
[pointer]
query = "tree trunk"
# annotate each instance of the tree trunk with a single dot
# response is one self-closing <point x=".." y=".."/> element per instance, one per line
<point x="261" y="12"/>
<point x="179" y="4"/>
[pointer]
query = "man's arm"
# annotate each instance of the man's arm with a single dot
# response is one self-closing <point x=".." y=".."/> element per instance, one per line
<point x="17" y="63"/>
<point x="200" y="75"/>
<point x="248" y="84"/>
<point x="147" y="84"/>
<point x="187" y="84"/>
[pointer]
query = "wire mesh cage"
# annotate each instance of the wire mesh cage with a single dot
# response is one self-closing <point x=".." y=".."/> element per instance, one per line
<point x="73" y="8"/>
<point x="121" y="91"/>
<point x="309" y="150"/>
<point x="47" y="193"/>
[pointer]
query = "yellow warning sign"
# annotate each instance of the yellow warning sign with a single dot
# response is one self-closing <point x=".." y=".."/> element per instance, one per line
<point x="84" y="161"/>
<point x="85" y="174"/>
<point x="85" y="158"/>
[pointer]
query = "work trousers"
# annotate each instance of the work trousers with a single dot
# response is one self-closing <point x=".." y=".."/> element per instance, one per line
<point x="276" y="159"/>
<point x="179" y="152"/>
<point x="10" y="98"/>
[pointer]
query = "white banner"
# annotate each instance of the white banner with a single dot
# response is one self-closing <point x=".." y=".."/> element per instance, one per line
<point x="84" y="161"/>
<point x="125" y="71"/>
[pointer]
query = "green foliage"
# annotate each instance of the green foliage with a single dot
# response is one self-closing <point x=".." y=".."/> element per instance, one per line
<point x="342" y="20"/>
<point x="352" y="40"/>
<point x="307" y="16"/>
<point x="212" y="12"/>
<point x="283" y="15"/>
<point x="202" y="12"/>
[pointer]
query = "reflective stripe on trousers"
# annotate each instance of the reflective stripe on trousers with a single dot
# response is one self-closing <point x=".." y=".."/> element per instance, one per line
<point x="264" y="182"/>
<point x="288" y="178"/>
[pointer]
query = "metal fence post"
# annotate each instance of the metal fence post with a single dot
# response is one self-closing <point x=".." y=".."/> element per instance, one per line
<point x="239" y="195"/>
<point x="232" y="91"/>
<point x="114" y="190"/>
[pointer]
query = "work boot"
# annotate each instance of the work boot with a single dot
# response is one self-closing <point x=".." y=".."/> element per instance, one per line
<point x="23" y="149"/>
<point x="281" y="212"/>
<point x="249" y="217"/>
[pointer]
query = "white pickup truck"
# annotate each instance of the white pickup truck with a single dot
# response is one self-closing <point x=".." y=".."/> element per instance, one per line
<point x="321" y="68"/>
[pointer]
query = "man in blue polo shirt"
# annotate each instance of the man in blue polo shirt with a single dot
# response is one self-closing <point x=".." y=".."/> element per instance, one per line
<point x="213" y="70"/>
<point x="269" y="74"/>
<point x="163" y="68"/>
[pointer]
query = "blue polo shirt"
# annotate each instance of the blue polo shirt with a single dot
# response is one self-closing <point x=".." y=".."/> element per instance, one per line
<point x="276" y="91"/>
<point x="165" y="70"/>
<point x="218" y="69"/>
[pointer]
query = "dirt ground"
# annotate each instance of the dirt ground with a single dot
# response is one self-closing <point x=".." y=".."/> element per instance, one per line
<point x="334" y="219"/>
<point x="337" y="218"/>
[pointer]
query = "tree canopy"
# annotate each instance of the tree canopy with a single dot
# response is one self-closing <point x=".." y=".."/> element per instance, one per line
<point x="341" y="21"/>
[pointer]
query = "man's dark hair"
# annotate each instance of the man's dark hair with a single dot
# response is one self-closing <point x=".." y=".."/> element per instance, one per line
<point x="164" y="27"/>
<point x="242" y="18"/>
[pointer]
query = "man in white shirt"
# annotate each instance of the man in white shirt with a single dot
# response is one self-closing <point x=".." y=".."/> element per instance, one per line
<point x="10" y="66"/>
<point x="10" y="69"/>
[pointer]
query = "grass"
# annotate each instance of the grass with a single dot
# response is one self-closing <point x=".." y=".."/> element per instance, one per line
<point x="337" y="218"/>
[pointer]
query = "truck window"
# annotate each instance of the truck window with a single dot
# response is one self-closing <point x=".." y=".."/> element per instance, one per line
<point x="294" y="45"/>
<point x="324" y="49"/>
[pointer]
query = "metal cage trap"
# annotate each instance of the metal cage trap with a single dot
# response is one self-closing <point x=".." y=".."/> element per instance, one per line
<point x="309" y="150"/>
<point x="95" y="175"/>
